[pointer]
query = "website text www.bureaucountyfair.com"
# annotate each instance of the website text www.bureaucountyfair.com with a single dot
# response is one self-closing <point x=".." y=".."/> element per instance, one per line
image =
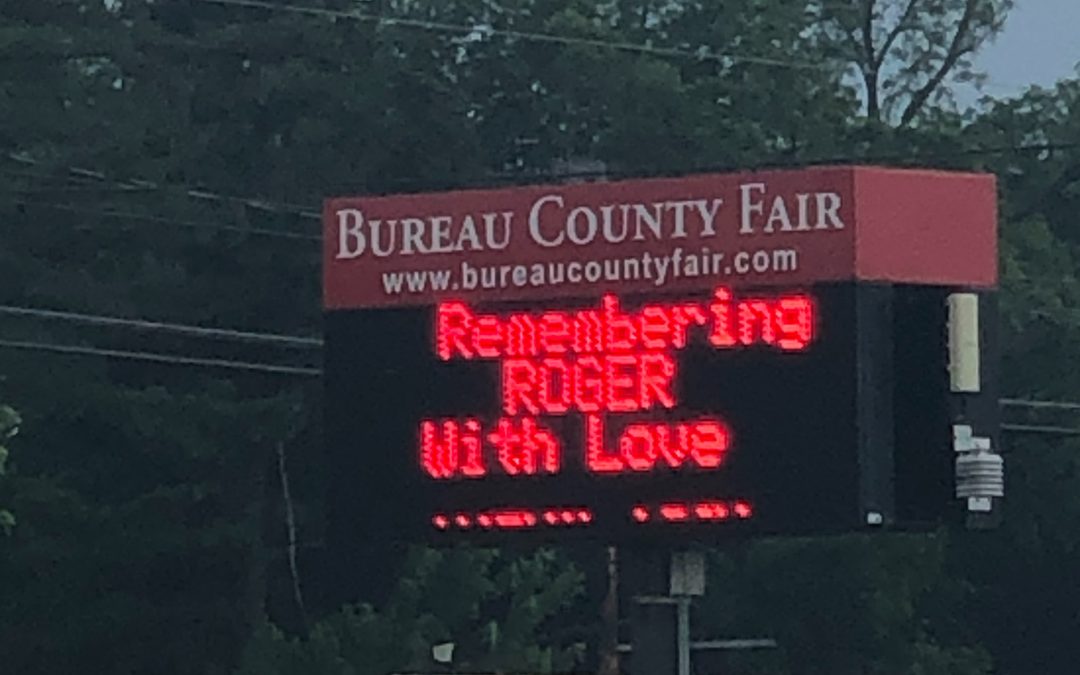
<point x="659" y="269"/>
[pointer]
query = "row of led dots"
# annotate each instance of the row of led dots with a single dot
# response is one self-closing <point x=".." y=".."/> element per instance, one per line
<point x="512" y="519"/>
<point x="671" y="512"/>
<point x="681" y="512"/>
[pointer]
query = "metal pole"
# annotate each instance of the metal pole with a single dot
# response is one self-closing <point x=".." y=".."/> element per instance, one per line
<point x="683" y="635"/>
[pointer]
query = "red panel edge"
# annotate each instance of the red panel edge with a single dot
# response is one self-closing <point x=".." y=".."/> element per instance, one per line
<point x="926" y="227"/>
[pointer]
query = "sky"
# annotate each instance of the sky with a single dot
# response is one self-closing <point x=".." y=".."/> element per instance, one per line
<point x="1040" y="45"/>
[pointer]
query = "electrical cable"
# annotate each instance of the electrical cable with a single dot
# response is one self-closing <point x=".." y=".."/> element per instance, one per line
<point x="702" y="54"/>
<point x="315" y="372"/>
<point x="170" y="359"/>
<point x="161" y="358"/>
<point x="295" y="341"/>
<point x="778" y="164"/>
<point x="188" y="191"/>
<point x="1040" y="429"/>
<point x="1050" y="405"/>
<point x="313" y="343"/>
<point x="313" y="212"/>
<point x="127" y="215"/>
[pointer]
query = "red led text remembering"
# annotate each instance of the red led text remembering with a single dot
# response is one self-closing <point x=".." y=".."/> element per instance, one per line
<point x="785" y="322"/>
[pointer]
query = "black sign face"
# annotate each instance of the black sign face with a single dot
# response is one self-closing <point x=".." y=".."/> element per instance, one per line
<point x="675" y="419"/>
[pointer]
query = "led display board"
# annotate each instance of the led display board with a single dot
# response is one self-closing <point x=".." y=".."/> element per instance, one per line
<point x="669" y="359"/>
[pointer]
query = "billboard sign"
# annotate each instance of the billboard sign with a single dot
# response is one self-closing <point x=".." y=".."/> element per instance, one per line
<point x="686" y="358"/>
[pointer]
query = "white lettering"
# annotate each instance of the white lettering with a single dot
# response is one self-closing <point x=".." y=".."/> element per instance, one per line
<point x="679" y="208"/>
<point x="778" y="214"/>
<point x="520" y="275"/>
<point x="440" y="235"/>
<point x="609" y="233"/>
<point x="573" y="222"/>
<point x="708" y="216"/>
<point x="804" y="212"/>
<point x="534" y="222"/>
<point x="413" y="236"/>
<point x="661" y="269"/>
<point x="489" y="227"/>
<point x="750" y="207"/>
<point x="828" y="208"/>
<point x="650" y="219"/>
<point x="469" y="233"/>
<point x="350" y="222"/>
<point x="376" y="228"/>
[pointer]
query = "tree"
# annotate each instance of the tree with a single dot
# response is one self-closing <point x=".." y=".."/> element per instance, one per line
<point x="499" y="610"/>
<point x="150" y="525"/>
<point x="906" y="53"/>
<point x="875" y="605"/>
<point x="1023" y="607"/>
<point x="9" y="426"/>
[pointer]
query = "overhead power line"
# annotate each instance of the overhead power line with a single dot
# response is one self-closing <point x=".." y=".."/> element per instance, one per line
<point x="224" y="364"/>
<point x="1040" y="429"/>
<point x="313" y="343"/>
<point x="294" y="341"/>
<point x="138" y="184"/>
<point x="1049" y="405"/>
<point x="797" y="163"/>
<point x="161" y="358"/>
<point x="190" y="224"/>
<point x="307" y="342"/>
<point x="481" y="29"/>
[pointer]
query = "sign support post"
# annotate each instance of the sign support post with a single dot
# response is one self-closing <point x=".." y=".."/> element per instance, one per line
<point x="683" y="634"/>
<point x="665" y="585"/>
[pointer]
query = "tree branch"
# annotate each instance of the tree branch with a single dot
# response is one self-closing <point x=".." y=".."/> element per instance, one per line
<point x="870" y="65"/>
<point x="956" y="50"/>
<point x="868" y="32"/>
<point x="290" y="523"/>
<point x="895" y="33"/>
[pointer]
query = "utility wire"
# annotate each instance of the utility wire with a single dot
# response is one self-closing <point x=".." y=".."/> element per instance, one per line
<point x="1049" y="405"/>
<point x="171" y="359"/>
<point x="161" y="358"/>
<point x="801" y="162"/>
<point x="129" y="215"/>
<point x="71" y="187"/>
<point x="306" y="342"/>
<point x="137" y="184"/>
<point x="702" y="54"/>
<point x="312" y="343"/>
<point x="1040" y="429"/>
<point x="295" y="341"/>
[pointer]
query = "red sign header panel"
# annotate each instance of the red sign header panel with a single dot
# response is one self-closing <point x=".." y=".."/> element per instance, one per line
<point x="781" y="228"/>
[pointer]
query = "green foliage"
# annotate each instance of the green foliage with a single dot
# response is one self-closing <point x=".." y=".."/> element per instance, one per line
<point x="497" y="610"/>
<point x="907" y="52"/>
<point x="150" y="529"/>
<point x="271" y="652"/>
<point x="9" y="426"/>
<point x="143" y="509"/>
<point x="875" y="605"/>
